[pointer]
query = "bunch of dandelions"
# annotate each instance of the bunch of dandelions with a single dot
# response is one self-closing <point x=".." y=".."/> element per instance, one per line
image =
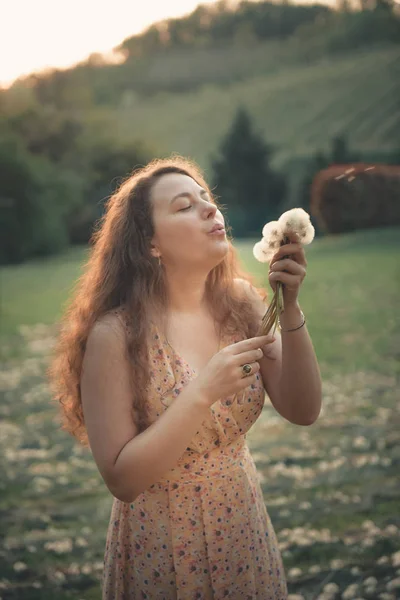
<point x="276" y="234"/>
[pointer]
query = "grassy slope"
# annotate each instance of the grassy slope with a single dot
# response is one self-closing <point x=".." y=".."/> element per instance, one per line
<point x="298" y="108"/>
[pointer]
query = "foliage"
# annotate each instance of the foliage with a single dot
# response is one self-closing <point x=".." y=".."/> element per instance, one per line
<point x="359" y="197"/>
<point x="344" y="193"/>
<point x="56" y="168"/>
<point x="249" y="186"/>
<point x="221" y="23"/>
<point x="34" y="199"/>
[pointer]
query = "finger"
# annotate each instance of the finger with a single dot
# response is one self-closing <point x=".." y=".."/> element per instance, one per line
<point x="294" y="237"/>
<point x="248" y="357"/>
<point x="295" y="250"/>
<point x="292" y="281"/>
<point x="288" y="265"/>
<point x="250" y="344"/>
<point x="255" y="367"/>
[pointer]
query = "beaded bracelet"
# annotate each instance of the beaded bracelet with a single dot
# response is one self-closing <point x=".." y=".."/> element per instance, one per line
<point x="294" y="329"/>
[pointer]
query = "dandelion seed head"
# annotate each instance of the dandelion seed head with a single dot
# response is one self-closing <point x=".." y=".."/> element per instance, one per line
<point x="297" y="220"/>
<point x="262" y="252"/>
<point x="272" y="231"/>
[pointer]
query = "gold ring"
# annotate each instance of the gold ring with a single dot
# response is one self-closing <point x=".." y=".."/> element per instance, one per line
<point x="247" y="369"/>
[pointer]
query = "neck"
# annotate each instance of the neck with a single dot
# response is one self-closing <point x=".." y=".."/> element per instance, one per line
<point x="186" y="293"/>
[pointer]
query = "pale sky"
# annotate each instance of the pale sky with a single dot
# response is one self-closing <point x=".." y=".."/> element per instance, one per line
<point x="37" y="34"/>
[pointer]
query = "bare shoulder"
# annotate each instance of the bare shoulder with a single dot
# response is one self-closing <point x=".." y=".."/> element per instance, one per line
<point x="108" y="326"/>
<point x="252" y="293"/>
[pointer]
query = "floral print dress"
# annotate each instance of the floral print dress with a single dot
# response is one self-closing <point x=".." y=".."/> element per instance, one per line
<point x="202" y="532"/>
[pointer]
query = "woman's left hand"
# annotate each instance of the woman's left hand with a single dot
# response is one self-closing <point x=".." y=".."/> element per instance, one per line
<point x="290" y="271"/>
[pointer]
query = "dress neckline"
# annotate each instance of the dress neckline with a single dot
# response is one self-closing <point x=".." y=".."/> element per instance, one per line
<point x="179" y="356"/>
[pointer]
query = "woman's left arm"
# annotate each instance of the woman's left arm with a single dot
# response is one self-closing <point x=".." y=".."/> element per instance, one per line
<point x="299" y="381"/>
<point x="289" y="367"/>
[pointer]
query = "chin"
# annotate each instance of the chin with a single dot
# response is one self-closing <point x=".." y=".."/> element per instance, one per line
<point x="219" y="252"/>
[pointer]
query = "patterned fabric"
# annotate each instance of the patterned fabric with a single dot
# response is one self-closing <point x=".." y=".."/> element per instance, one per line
<point x="202" y="531"/>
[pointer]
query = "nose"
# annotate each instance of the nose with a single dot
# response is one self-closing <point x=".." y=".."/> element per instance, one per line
<point x="210" y="210"/>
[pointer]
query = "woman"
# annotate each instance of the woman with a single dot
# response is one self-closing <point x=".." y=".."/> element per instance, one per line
<point x="160" y="371"/>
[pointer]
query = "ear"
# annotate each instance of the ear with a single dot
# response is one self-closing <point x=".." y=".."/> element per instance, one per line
<point x="154" y="251"/>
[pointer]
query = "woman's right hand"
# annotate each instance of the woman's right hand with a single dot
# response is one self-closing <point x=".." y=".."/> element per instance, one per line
<point x="223" y="375"/>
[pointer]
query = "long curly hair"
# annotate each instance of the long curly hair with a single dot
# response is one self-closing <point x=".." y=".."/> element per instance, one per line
<point x="122" y="273"/>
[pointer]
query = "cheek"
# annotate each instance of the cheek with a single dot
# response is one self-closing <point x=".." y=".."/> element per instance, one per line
<point x="182" y="233"/>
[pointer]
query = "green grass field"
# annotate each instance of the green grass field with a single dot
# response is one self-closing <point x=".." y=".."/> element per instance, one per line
<point x="331" y="489"/>
<point x="298" y="107"/>
<point x="349" y="297"/>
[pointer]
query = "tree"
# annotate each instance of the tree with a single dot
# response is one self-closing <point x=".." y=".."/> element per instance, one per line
<point x="35" y="197"/>
<point x="244" y="178"/>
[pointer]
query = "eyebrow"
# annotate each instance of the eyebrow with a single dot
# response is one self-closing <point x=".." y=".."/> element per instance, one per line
<point x="186" y="195"/>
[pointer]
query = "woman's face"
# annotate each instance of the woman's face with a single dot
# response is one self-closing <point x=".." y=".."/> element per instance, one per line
<point x="183" y="215"/>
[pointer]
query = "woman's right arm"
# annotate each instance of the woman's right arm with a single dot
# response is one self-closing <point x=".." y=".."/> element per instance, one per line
<point x="130" y="462"/>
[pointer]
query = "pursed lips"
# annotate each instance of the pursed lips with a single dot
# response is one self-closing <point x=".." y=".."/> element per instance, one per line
<point x="218" y="227"/>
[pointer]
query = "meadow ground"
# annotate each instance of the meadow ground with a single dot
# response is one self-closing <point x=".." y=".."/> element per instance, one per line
<point x="331" y="489"/>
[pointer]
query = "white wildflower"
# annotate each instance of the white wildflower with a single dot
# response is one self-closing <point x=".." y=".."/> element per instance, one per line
<point x="73" y="569"/>
<point x="314" y="569"/>
<point x="350" y="592"/>
<point x="396" y="559"/>
<point x="360" y="442"/>
<point x="272" y="232"/>
<point x="86" y="569"/>
<point x="297" y="221"/>
<point x="394" y="584"/>
<point x="19" y="566"/>
<point x="370" y="581"/>
<point x="295" y="572"/>
<point x="337" y="563"/>
<point x="367" y="542"/>
<point x="59" y="546"/>
<point x="262" y="252"/>
<point x="41" y="484"/>
<point x="59" y="576"/>
<point x="63" y="480"/>
<point x="331" y="588"/>
<point x="81" y="542"/>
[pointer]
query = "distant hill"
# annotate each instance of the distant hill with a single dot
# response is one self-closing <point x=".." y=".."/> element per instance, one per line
<point x="298" y="108"/>
<point x="305" y="72"/>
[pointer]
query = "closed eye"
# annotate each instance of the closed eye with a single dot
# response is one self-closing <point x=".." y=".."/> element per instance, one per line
<point x="190" y="206"/>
